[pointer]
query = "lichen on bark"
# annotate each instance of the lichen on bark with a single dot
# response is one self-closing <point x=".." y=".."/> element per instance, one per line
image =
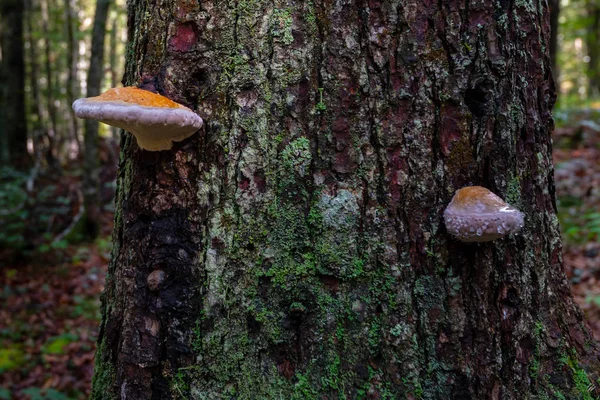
<point x="300" y="233"/>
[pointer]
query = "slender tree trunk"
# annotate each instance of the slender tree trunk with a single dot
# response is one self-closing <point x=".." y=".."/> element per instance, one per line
<point x="113" y="64"/>
<point x="94" y="81"/>
<point x="554" y="6"/>
<point x="13" y="126"/>
<point x="593" y="46"/>
<point x="72" y="83"/>
<point x="38" y="129"/>
<point x="52" y="134"/>
<point x="295" y="247"/>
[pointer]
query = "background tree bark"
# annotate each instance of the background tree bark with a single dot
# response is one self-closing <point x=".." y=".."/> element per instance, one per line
<point x="72" y="57"/>
<point x="593" y="46"/>
<point x="295" y="248"/>
<point x="114" y="81"/>
<point x="554" y="6"/>
<point x="36" y="106"/>
<point x="13" y="126"/>
<point x="49" y="59"/>
<point x="94" y="81"/>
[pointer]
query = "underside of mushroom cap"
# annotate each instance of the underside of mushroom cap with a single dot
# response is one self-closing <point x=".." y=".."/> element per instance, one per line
<point x="155" y="120"/>
<point x="477" y="215"/>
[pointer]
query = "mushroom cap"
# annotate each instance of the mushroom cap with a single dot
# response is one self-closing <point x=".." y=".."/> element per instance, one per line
<point x="155" y="120"/>
<point x="477" y="215"/>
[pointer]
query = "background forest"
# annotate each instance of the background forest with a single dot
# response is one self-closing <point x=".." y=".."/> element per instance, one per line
<point x="57" y="180"/>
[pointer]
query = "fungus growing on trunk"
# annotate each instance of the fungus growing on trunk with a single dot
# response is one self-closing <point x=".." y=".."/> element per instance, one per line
<point x="477" y="215"/>
<point x="154" y="120"/>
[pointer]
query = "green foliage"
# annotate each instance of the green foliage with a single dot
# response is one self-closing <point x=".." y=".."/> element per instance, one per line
<point x="5" y="394"/>
<point x="575" y="23"/>
<point x="88" y="307"/>
<point x="303" y="388"/>
<point x="58" y="245"/>
<point x="44" y="394"/>
<point x="104" y="246"/>
<point x="57" y="344"/>
<point x="11" y="358"/>
<point x="31" y="218"/>
<point x="13" y="201"/>
<point x="320" y="106"/>
<point x="579" y="225"/>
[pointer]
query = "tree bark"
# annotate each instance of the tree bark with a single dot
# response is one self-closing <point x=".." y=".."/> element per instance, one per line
<point x="13" y="126"/>
<point x="72" y="82"/>
<point x="295" y="248"/>
<point x="593" y="47"/>
<point x="554" y="6"/>
<point x="91" y="161"/>
<point x="52" y="134"/>
<point x="36" y="111"/>
<point x="114" y="81"/>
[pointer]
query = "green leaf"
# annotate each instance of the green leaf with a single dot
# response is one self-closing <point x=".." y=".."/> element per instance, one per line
<point x="11" y="358"/>
<point x="52" y="394"/>
<point x="33" y="393"/>
<point x="57" y="344"/>
<point x="5" y="394"/>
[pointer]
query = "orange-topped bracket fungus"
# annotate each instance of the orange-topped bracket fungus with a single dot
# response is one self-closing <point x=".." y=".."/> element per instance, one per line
<point x="154" y="120"/>
<point x="477" y="215"/>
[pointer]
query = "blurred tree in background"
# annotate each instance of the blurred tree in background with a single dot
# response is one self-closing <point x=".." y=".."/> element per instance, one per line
<point x="49" y="58"/>
<point x="46" y="49"/>
<point x="578" y="52"/>
<point x="13" y="130"/>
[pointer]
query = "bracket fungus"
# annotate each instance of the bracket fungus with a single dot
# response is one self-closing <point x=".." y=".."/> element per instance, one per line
<point x="477" y="215"/>
<point x="154" y="120"/>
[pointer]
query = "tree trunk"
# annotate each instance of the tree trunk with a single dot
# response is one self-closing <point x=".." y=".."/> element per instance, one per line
<point x="91" y="161"/>
<point x="295" y="247"/>
<point x="52" y="134"/>
<point x="113" y="65"/>
<point x="593" y="47"/>
<point x="554" y="6"/>
<point x="72" y="83"/>
<point x="13" y="126"/>
<point x="36" y="112"/>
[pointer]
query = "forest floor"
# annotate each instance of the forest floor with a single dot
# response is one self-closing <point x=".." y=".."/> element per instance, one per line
<point x="50" y="289"/>
<point x="51" y="282"/>
<point x="577" y="179"/>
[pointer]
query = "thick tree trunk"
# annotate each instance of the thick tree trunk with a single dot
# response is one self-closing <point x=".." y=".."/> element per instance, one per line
<point x="91" y="162"/>
<point x="13" y="126"/>
<point x="295" y="247"/>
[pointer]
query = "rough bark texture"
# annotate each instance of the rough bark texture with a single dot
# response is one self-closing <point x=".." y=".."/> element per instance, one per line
<point x="13" y="127"/>
<point x="295" y="249"/>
